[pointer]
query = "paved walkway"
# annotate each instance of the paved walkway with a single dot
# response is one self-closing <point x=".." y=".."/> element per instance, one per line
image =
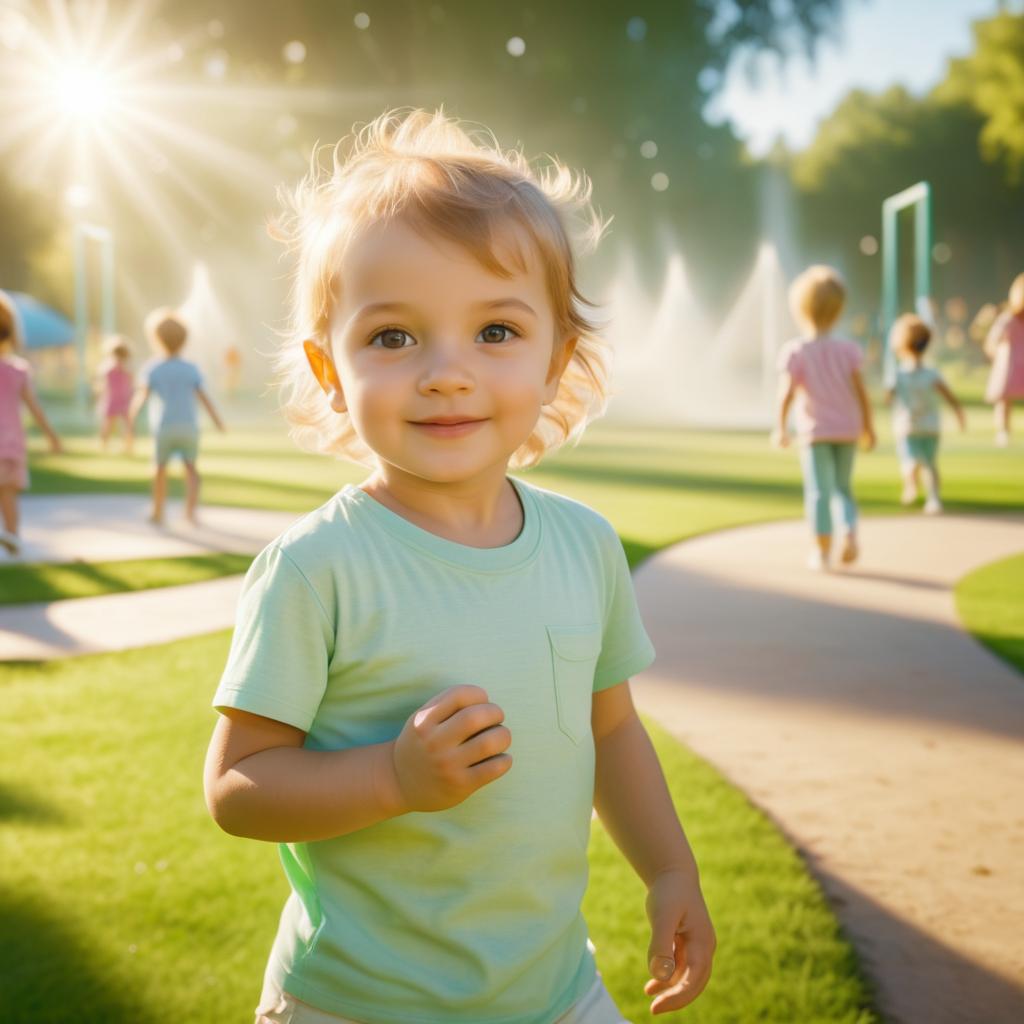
<point x="887" y="743"/>
<point x="102" y="528"/>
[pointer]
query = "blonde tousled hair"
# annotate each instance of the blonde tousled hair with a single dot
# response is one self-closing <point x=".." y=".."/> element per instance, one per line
<point x="446" y="179"/>
<point x="816" y="297"/>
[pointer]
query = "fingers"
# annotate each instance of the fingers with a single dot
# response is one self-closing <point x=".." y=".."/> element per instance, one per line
<point x="466" y="723"/>
<point x="446" y="703"/>
<point x="485" y="744"/>
<point x="690" y="977"/>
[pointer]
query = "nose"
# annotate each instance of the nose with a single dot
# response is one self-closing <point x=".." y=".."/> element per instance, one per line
<point x="445" y="372"/>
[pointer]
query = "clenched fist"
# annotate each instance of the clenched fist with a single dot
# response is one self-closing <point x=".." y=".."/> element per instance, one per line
<point x="451" y="747"/>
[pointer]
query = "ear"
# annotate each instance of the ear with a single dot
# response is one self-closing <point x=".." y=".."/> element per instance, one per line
<point x="326" y="374"/>
<point x="559" y="362"/>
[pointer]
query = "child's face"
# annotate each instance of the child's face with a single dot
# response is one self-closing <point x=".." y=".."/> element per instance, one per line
<point x="422" y="330"/>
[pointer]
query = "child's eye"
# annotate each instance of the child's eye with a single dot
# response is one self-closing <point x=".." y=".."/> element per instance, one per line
<point x="391" y="337"/>
<point x="497" y="333"/>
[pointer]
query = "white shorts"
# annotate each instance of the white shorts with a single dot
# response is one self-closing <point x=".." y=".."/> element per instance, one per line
<point x="276" y="1007"/>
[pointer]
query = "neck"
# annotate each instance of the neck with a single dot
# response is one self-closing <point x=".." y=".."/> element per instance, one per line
<point x="481" y="512"/>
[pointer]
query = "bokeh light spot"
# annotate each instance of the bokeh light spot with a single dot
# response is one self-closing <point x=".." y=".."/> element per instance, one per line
<point x="659" y="181"/>
<point x="516" y="46"/>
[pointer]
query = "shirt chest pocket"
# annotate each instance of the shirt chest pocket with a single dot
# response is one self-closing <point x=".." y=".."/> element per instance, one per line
<point x="574" y="654"/>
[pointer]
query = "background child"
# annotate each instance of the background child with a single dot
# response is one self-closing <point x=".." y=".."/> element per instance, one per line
<point x="821" y="374"/>
<point x="115" y="384"/>
<point x="916" y="415"/>
<point x="174" y="421"/>
<point x="1005" y="347"/>
<point x="397" y="643"/>
<point x="15" y="390"/>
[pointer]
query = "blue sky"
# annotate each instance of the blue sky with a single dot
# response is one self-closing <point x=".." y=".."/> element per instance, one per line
<point x="879" y="43"/>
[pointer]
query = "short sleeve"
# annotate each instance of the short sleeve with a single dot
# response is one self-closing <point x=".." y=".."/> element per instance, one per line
<point x="625" y="646"/>
<point x="198" y="375"/>
<point x="282" y="645"/>
<point x="790" y="362"/>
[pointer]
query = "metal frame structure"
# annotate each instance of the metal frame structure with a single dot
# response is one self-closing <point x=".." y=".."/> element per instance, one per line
<point x="920" y="197"/>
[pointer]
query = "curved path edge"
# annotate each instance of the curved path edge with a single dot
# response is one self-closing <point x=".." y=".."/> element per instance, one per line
<point x="884" y="740"/>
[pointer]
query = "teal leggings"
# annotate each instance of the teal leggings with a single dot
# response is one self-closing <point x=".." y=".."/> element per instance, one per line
<point x="827" y="467"/>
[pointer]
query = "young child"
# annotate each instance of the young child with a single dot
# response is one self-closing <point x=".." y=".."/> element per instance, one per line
<point x="15" y="391"/>
<point x="115" y="384"/>
<point x="916" y="415"/>
<point x="821" y="374"/>
<point x="427" y="690"/>
<point x="1005" y="347"/>
<point x="174" y="421"/>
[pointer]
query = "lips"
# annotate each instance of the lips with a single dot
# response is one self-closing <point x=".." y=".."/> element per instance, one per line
<point x="446" y="421"/>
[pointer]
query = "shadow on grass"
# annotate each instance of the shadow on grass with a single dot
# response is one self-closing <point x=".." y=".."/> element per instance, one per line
<point x="47" y="976"/>
<point x="22" y="807"/>
<point x="34" y="582"/>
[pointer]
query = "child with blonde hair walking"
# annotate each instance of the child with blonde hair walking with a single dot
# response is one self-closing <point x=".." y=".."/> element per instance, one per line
<point x="917" y="424"/>
<point x="820" y="374"/>
<point x="114" y="386"/>
<point x="428" y="685"/>
<point x="1004" y="345"/>
<point x="174" y="417"/>
<point x="15" y="391"/>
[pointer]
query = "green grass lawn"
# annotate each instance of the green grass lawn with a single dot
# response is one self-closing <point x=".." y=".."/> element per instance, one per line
<point x="122" y="902"/>
<point x="990" y="601"/>
<point x="24" y="582"/>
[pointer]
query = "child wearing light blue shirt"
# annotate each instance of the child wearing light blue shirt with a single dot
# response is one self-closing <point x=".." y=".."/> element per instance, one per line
<point x="427" y="692"/>
<point x="177" y="387"/>
<point x="916" y="417"/>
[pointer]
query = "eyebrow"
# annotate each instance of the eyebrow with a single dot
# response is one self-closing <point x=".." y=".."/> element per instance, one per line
<point x="506" y="303"/>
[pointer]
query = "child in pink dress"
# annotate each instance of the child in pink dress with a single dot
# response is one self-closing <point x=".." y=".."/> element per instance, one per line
<point x="116" y="386"/>
<point x="1005" y="347"/>
<point x="15" y="389"/>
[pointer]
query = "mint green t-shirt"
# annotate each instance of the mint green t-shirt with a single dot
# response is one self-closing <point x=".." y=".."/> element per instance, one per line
<point x="348" y="623"/>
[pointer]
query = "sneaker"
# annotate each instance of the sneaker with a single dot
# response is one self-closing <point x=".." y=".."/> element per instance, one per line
<point x="909" y="495"/>
<point x="10" y="542"/>
<point x="1002" y="439"/>
<point x="932" y="507"/>
<point x="817" y="561"/>
<point x="850" y="550"/>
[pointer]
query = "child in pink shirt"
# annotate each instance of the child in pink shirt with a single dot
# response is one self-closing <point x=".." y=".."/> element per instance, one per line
<point x="115" y="385"/>
<point x="1005" y="347"/>
<point x="821" y="376"/>
<point x="15" y="389"/>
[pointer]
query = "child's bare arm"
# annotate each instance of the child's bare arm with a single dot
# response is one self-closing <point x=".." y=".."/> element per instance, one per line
<point x="787" y="392"/>
<point x="865" y="409"/>
<point x="210" y="408"/>
<point x="634" y="804"/>
<point x="944" y="389"/>
<point x="261" y="783"/>
<point x="32" y="403"/>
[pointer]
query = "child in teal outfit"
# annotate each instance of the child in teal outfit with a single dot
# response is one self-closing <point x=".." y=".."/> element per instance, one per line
<point x="427" y="691"/>
<point x="916" y="415"/>
<point x="174" y="418"/>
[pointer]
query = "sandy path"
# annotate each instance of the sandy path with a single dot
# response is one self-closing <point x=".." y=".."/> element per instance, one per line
<point x="885" y="741"/>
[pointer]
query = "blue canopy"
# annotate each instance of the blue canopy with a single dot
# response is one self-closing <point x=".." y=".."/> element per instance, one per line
<point x="41" y="326"/>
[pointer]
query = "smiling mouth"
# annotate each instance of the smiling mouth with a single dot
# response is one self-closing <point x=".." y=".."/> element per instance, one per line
<point x="447" y="428"/>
